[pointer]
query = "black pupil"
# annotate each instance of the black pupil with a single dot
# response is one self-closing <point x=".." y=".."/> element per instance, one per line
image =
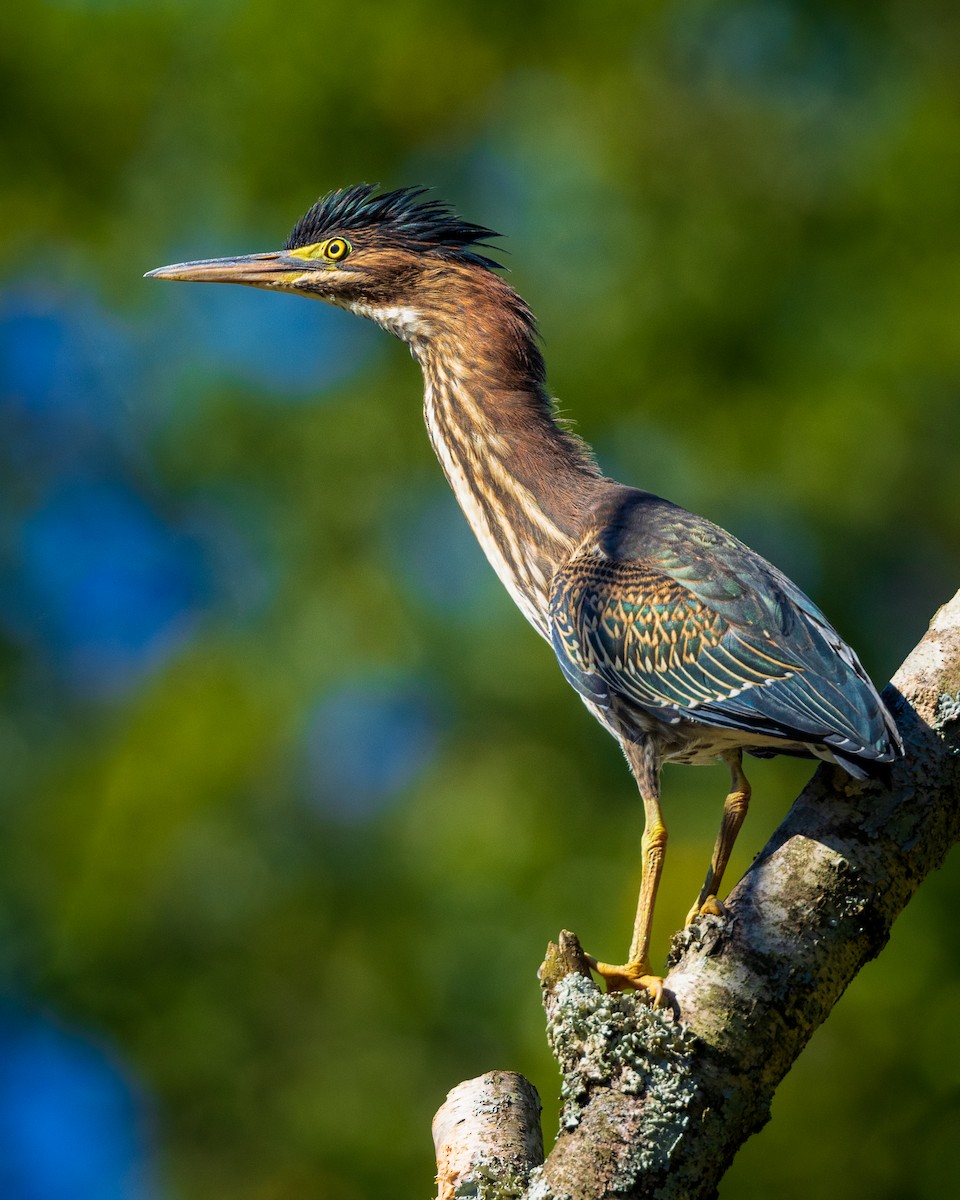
<point x="336" y="249"/>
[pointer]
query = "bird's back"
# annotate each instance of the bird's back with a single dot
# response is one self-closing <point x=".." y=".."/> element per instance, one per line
<point x="670" y="623"/>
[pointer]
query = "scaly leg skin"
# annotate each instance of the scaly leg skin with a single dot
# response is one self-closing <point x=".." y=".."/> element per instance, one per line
<point x="635" y="973"/>
<point x="734" y="810"/>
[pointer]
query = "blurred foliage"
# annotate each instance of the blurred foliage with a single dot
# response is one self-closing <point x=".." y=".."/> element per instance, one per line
<point x="292" y="798"/>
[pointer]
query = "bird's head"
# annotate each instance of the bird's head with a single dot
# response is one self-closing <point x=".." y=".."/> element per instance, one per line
<point x="384" y="256"/>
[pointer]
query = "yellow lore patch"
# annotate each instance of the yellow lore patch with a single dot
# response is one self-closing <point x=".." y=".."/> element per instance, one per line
<point x="331" y="250"/>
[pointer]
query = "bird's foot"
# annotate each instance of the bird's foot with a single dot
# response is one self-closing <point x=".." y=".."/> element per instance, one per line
<point x="711" y="907"/>
<point x="631" y="975"/>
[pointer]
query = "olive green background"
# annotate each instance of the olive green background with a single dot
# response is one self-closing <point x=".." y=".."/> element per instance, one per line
<point x="737" y="223"/>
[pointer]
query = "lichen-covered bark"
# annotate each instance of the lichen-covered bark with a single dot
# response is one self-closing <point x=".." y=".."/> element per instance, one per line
<point x="657" y="1107"/>
<point x="487" y="1138"/>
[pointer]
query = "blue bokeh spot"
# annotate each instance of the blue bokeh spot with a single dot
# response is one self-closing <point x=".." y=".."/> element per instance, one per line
<point x="368" y="740"/>
<point x="287" y="347"/>
<point x="105" y="584"/>
<point x="71" y="1125"/>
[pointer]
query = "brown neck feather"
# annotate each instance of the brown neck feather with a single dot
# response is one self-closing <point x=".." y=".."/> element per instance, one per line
<point x="523" y="482"/>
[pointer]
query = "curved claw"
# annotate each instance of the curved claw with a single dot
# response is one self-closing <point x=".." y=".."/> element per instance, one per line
<point x="630" y="975"/>
<point x="711" y="907"/>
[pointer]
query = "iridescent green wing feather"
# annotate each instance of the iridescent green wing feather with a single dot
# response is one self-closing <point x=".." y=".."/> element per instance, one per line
<point x="664" y="609"/>
<point x="630" y="629"/>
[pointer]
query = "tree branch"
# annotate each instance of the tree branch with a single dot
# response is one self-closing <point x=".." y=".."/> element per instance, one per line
<point x="658" y="1107"/>
<point x="487" y="1136"/>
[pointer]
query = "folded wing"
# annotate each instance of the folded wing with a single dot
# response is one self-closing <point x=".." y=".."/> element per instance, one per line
<point x="691" y="624"/>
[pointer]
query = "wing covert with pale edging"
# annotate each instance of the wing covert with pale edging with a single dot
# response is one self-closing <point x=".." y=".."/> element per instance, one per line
<point x="667" y="611"/>
<point x="633" y="630"/>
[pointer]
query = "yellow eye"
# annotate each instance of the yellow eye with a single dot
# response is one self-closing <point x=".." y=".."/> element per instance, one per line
<point x="335" y="249"/>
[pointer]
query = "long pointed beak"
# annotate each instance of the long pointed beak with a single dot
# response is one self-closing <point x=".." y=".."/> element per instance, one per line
<point x="256" y="270"/>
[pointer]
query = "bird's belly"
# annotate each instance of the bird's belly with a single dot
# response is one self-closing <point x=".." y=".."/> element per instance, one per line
<point x="700" y="745"/>
<point x="688" y="742"/>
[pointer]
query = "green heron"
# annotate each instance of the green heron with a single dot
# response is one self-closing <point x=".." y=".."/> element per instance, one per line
<point x="685" y="644"/>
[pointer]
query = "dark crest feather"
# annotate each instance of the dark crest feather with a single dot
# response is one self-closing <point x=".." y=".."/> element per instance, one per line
<point x="402" y="217"/>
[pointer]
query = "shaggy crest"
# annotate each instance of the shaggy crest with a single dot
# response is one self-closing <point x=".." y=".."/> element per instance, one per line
<point x="401" y="217"/>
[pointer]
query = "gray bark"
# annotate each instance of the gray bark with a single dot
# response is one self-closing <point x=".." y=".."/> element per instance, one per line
<point x="658" y="1101"/>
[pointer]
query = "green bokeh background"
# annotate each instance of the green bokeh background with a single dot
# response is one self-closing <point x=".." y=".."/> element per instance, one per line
<point x="737" y="223"/>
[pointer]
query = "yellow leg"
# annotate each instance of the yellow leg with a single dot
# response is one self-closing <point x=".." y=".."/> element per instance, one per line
<point x="734" y="810"/>
<point x="636" y="972"/>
